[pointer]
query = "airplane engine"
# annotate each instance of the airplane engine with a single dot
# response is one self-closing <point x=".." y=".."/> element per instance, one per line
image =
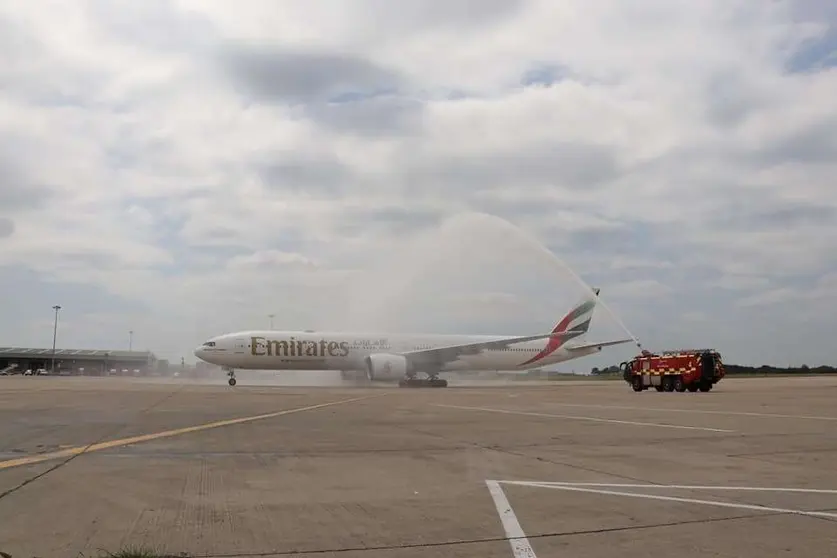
<point x="382" y="367"/>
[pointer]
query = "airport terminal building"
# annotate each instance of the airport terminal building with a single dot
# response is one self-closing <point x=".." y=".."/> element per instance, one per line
<point x="19" y="360"/>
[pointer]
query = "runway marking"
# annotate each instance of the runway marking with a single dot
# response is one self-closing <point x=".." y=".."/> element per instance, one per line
<point x="517" y="538"/>
<point x="76" y="450"/>
<point x="593" y="419"/>
<point x="698" y="411"/>
<point x="572" y="487"/>
<point x="678" y="486"/>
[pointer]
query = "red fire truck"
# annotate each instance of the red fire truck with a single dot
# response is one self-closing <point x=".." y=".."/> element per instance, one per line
<point x="680" y="370"/>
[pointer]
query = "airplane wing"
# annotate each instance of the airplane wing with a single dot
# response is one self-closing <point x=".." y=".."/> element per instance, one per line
<point x="599" y="345"/>
<point x="442" y="355"/>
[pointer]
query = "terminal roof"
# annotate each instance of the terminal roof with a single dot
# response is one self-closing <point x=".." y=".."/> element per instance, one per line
<point x="81" y="354"/>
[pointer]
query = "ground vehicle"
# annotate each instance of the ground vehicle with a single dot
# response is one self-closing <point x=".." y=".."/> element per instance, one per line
<point x="680" y="370"/>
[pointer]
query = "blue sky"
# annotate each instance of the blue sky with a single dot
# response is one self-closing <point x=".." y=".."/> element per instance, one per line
<point x="185" y="168"/>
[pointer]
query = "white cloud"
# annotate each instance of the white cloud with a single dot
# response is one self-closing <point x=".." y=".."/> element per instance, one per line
<point x="643" y="288"/>
<point x="202" y="164"/>
<point x="822" y="294"/>
<point x="627" y="262"/>
<point x="695" y="316"/>
<point x="770" y="297"/>
<point x="741" y="282"/>
<point x="269" y="260"/>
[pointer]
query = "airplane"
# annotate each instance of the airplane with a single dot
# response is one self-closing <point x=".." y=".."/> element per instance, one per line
<point x="387" y="357"/>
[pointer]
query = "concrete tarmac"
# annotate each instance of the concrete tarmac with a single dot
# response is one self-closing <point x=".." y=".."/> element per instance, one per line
<point x="581" y="469"/>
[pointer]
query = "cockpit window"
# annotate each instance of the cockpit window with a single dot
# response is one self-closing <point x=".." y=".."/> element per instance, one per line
<point x="209" y="344"/>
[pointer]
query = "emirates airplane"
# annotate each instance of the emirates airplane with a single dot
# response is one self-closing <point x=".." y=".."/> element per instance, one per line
<point x="400" y="357"/>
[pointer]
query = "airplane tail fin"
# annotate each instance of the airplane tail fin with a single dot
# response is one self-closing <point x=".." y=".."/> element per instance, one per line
<point x="578" y="319"/>
<point x="573" y="325"/>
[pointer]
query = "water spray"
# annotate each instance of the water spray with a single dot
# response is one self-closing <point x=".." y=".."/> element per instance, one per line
<point x="426" y="253"/>
<point x="555" y="260"/>
<point x="615" y="317"/>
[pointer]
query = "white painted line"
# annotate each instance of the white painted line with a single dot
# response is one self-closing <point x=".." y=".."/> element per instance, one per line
<point x="517" y="538"/>
<point x="679" y="487"/>
<point x="593" y="419"/>
<point x="696" y="411"/>
<point x="681" y="500"/>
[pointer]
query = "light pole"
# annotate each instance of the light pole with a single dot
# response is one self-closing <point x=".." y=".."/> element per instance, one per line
<point x="54" y="335"/>
<point x="130" y="340"/>
<point x="271" y="316"/>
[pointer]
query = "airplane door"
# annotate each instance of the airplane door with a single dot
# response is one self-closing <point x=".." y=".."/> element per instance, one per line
<point x="240" y="346"/>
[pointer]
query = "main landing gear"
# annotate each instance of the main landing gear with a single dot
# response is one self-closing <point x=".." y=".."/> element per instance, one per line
<point x="231" y="374"/>
<point x="432" y="381"/>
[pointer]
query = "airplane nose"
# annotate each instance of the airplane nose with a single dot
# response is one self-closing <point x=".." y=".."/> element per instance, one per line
<point x="199" y="352"/>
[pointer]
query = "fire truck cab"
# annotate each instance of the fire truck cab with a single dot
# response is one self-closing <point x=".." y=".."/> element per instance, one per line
<point x="679" y="370"/>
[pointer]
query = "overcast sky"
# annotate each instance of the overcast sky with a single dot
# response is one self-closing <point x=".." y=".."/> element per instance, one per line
<point x="185" y="168"/>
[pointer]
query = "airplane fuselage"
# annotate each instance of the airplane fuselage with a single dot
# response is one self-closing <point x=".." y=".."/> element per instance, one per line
<point x="388" y="357"/>
<point x="297" y="350"/>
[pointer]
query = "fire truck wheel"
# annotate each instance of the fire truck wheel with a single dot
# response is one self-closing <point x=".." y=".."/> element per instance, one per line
<point x="659" y="387"/>
<point x="679" y="385"/>
<point x="637" y="383"/>
<point x="693" y="387"/>
<point x="705" y="386"/>
<point x="668" y="383"/>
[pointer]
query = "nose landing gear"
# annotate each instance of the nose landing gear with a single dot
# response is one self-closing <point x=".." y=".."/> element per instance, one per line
<point x="231" y="374"/>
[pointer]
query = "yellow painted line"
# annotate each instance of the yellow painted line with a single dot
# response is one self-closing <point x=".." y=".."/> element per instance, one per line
<point x="165" y="434"/>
